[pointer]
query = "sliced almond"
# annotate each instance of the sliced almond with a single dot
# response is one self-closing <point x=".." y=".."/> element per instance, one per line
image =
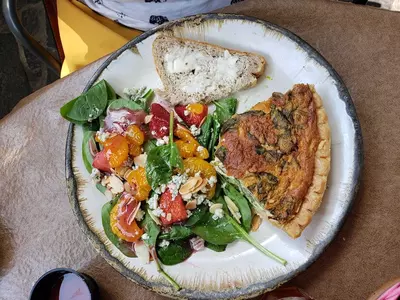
<point x="127" y="187"/>
<point x="215" y="206"/>
<point x="127" y="173"/>
<point x="140" y="160"/>
<point x="191" y="205"/>
<point x="231" y="204"/>
<point x="147" y="119"/>
<point x="155" y="219"/>
<point x="201" y="185"/>
<point x="116" y="186"/>
<point x="255" y="223"/>
<point x="120" y="171"/>
<point x="190" y="185"/>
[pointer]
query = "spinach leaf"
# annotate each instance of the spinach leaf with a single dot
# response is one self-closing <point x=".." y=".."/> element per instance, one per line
<point x="92" y="126"/>
<point x="197" y="215"/>
<point x="225" y="108"/>
<point x="110" y="91"/>
<point x="88" y="106"/>
<point x="162" y="160"/>
<point x="248" y="238"/>
<point x="214" y="137"/>
<point x="218" y="232"/>
<point x="174" y="253"/>
<point x="158" y="170"/>
<point x="151" y="228"/>
<point x="205" y="136"/>
<point x="216" y="248"/>
<point x="175" y="157"/>
<point x="105" y="219"/>
<point x="140" y="96"/>
<point x="101" y="188"/>
<point x="241" y="203"/>
<point x="88" y="137"/>
<point x="149" y="145"/>
<point x="119" y="103"/>
<point x="177" y="232"/>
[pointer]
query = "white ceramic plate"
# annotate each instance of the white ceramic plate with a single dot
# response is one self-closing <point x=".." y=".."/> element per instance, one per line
<point x="240" y="271"/>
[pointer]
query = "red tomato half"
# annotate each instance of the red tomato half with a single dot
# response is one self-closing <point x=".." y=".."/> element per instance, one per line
<point x="192" y="114"/>
<point x="175" y="207"/>
<point x="100" y="162"/>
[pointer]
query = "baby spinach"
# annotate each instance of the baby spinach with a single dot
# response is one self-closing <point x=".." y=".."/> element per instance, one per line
<point x="197" y="215"/>
<point x="149" y="145"/>
<point x="119" y="103"/>
<point x="174" y="253"/>
<point x="158" y="170"/>
<point x="241" y="203"/>
<point x="101" y="188"/>
<point x="224" y="109"/>
<point x="218" y="232"/>
<point x="248" y="238"/>
<point x="205" y="136"/>
<point x="177" y="232"/>
<point x="105" y="219"/>
<point x="216" y="248"/>
<point x="151" y="228"/>
<point x="88" y="137"/>
<point x="162" y="160"/>
<point x="161" y="271"/>
<point x="225" y="230"/>
<point x="88" y="106"/>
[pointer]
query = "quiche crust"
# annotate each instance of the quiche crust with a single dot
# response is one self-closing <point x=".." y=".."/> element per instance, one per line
<point x="315" y="194"/>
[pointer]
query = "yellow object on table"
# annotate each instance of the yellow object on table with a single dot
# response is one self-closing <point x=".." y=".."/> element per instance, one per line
<point x="87" y="36"/>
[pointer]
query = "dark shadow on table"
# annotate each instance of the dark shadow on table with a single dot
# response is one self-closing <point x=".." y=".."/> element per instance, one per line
<point x="6" y="248"/>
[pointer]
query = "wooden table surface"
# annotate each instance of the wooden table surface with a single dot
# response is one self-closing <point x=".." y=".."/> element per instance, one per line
<point x="38" y="230"/>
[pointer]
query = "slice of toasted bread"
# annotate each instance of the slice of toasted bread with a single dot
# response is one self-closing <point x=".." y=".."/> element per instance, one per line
<point x="194" y="71"/>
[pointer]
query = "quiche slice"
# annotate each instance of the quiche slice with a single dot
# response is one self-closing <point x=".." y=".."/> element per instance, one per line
<point x="279" y="153"/>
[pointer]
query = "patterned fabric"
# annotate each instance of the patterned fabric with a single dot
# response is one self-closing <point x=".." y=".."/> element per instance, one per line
<point x="145" y="14"/>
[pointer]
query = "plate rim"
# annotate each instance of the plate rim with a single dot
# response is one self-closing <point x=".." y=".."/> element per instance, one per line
<point x="256" y="288"/>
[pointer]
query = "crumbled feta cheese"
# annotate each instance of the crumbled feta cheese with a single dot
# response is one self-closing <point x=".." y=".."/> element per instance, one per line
<point x="219" y="213"/>
<point x="200" y="148"/>
<point x="199" y="198"/>
<point x="153" y="133"/>
<point x="173" y="188"/>
<point x="135" y="167"/>
<point x="139" y="215"/>
<point x="147" y="119"/>
<point x="212" y="181"/>
<point x="196" y="243"/>
<point x="95" y="175"/>
<point x="179" y="179"/>
<point x="186" y="112"/>
<point x="160" y="142"/>
<point x="208" y="202"/>
<point x="169" y="217"/>
<point x="163" y="128"/>
<point x="204" y="190"/>
<point x="223" y="185"/>
<point x="108" y="153"/>
<point x="195" y="130"/>
<point x="158" y="212"/>
<point x="145" y="236"/>
<point x="164" y="243"/>
<point x="187" y="197"/>
<point x="166" y="139"/>
<point x="198" y="174"/>
<point x="189" y="213"/>
<point x="153" y="201"/>
<point x="135" y="94"/>
<point x="102" y="135"/>
<point x="161" y="189"/>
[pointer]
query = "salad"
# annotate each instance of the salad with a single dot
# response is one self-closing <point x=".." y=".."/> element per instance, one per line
<point x="154" y="163"/>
